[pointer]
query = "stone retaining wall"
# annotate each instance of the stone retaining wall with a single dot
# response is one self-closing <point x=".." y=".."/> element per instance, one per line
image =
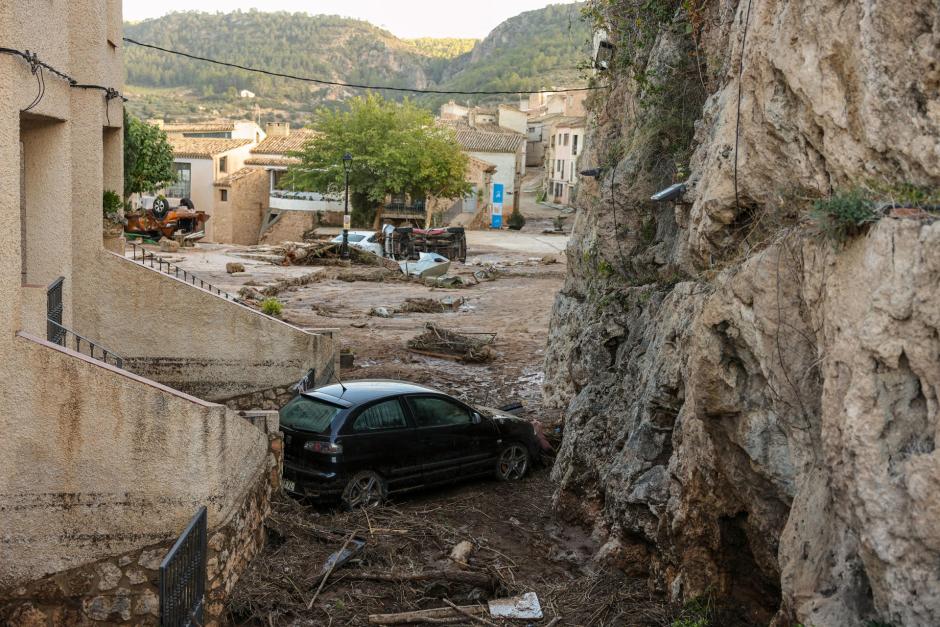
<point x="124" y="589"/>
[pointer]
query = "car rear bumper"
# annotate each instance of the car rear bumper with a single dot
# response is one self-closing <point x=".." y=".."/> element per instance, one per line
<point x="313" y="483"/>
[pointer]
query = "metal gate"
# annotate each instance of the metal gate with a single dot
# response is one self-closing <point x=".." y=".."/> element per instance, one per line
<point x="55" y="332"/>
<point x="183" y="577"/>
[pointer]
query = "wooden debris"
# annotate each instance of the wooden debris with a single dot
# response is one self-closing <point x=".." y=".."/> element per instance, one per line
<point x="481" y="580"/>
<point x="421" y="616"/>
<point x="451" y="344"/>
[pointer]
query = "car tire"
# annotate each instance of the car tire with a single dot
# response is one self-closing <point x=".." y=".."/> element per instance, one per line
<point x="512" y="464"/>
<point x="365" y="489"/>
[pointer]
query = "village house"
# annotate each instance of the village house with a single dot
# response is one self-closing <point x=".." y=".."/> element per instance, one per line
<point x="561" y="170"/>
<point x="107" y="453"/>
<point x="505" y="150"/>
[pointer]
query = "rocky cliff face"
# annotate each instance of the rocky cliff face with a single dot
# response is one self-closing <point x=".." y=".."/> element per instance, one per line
<point x="752" y="411"/>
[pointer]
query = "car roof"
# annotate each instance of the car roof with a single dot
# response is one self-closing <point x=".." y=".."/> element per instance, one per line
<point x="363" y="391"/>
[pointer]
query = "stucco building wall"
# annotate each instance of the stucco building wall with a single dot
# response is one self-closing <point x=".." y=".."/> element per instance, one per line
<point x="96" y="461"/>
<point x="102" y="462"/>
<point x="192" y="339"/>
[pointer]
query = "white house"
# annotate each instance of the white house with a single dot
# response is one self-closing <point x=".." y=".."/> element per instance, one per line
<point x="566" y="143"/>
<point x="505" y="150"/>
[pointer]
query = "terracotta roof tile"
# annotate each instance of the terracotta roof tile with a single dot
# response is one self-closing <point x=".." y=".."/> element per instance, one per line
<point x="486" y="166"/>
<point x="283" y="145"/>
<point x="199" y="127"/>
<point x="202" y="148"/>
<point x="474" y="140"/>
<point x="236" y="176"/>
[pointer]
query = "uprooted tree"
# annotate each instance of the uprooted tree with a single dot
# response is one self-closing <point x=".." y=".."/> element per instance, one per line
<point x="396" y="148"/>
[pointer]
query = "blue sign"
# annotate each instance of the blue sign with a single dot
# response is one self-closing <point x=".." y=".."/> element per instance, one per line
<point x="497" y="217"/>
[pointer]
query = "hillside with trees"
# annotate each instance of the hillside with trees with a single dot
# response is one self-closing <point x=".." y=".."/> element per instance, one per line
<point x="537" y="49"/>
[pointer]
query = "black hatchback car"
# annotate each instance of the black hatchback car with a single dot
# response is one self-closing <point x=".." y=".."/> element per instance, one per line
<point x="363" y="440"/>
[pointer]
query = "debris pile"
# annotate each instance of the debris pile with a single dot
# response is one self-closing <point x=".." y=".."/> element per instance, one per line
<point x="420" y="564"/>
<point x="314" y="253"/>
<point x="430" y="305"/>
<point x="467" y="347"/>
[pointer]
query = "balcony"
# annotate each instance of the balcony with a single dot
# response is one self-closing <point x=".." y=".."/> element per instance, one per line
<point x="288" y="200"/>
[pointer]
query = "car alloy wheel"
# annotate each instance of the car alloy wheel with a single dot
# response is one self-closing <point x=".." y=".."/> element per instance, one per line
<point x="365" y="489"/>
<point x="513" y="463"/>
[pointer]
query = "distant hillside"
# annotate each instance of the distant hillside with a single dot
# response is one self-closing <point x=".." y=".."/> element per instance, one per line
<point x="537" y="49"/>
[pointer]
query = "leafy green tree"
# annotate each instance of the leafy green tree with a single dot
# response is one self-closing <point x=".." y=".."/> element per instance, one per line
<point x="148" y="157"/>
<point x="396" y="149"/>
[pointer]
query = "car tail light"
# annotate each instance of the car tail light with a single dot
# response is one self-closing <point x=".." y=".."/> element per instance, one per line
<point x="327" y="448"/>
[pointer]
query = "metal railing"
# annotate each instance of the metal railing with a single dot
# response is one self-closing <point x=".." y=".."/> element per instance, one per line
<point x="58" y="334"/>
<point x="183" y="577"/>
<point x="417" y="209"/>
<point x="145" y="257"/>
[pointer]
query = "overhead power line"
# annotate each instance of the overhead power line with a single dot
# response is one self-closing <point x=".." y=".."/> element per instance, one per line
<point x="321" y="81"/>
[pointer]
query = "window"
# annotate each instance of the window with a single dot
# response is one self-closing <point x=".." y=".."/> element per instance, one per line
<point x="571" y="176"/>
<point x="566" y="138"/>
<point x="182" y="187"/>
<point x="308" y="414"/>
<point x="430" y="411"/>
<point x="214" y="135"/>
<point x="385" y="415"/>
<point x="553" y="141"/>
<point x="279" y="182"/>
<point x="574" y="144"/>
<point x="223" y="195"/>
<point x="223" y="164"/>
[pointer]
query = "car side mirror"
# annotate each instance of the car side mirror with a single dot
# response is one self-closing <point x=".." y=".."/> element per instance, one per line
<point x="477" y="418"/>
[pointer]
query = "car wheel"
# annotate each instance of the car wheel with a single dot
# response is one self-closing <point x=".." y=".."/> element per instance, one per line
<point x="365" y="489"/>
<point x="161" y="207"/>
<point x="512" y="463"/>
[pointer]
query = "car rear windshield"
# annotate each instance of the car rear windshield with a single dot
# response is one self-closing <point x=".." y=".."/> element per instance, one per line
<point x="308" y="414"/>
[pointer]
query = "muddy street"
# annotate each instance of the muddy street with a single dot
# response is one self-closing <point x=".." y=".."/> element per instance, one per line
<point x="517" y="543"/>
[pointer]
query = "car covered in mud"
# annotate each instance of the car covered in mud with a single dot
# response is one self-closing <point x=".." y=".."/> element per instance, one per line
<point x="361" y="441"/>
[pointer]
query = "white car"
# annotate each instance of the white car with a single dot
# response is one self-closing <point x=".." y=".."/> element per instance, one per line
<point x="363" y="240"/>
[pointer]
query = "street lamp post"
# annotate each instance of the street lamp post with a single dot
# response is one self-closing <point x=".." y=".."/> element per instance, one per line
<point x="344" y="252"/>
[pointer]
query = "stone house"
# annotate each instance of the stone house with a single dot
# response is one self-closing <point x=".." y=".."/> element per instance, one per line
<point x="565" y="145"/>
<point x="445" y="211"/>
<point x="105" y="459"/>
<point x="288" y="213"/>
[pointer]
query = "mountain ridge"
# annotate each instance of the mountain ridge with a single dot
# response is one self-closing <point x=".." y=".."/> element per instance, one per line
<point x="534" y="50"/>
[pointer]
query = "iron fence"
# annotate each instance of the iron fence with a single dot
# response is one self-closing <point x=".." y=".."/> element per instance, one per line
<point x="183" y="577"/>
<point x="70" y="339"/>
<point x="147" y="258"/>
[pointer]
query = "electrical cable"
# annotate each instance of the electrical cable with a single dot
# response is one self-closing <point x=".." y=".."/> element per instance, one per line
<point x="737" y="124"/>
<point x="321" y="81"/>
<point x="37" y="66"/>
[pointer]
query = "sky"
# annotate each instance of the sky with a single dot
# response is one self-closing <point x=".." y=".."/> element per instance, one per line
<point x="404" y="18"/>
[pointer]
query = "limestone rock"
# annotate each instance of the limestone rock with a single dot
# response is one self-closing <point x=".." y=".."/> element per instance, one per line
<point x="232" y="267"/>
<point x="756" y="415"/>
<point x="169" y="245"/>
<point x="109" y="576"/>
